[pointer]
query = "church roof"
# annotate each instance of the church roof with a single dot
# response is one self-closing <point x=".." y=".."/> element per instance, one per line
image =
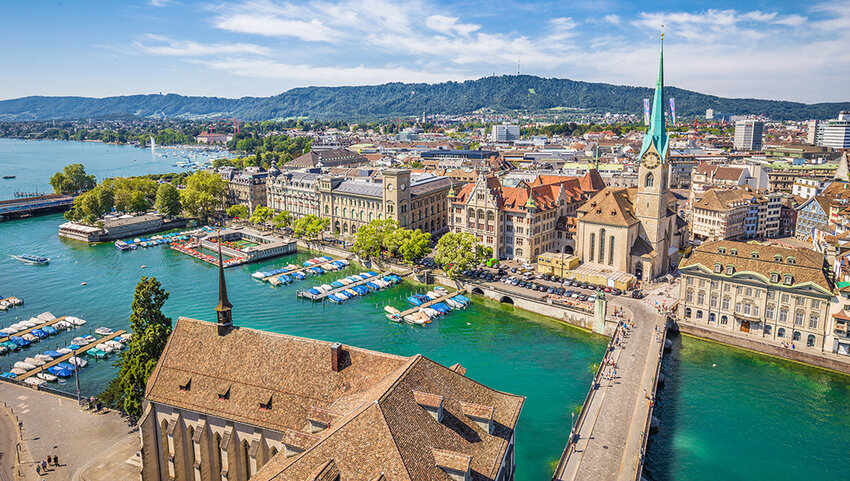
<point x="656" y="135"/>
<point x="612" y="206"/>
<point x="842" y="174"/>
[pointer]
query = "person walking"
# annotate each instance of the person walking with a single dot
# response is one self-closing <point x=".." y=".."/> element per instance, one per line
<point x="44" y="466"/>
<point x="38" y="469"/>
<point x="56" y="460"/>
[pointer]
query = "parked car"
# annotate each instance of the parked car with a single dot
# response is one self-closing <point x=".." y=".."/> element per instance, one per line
<point x="637" y="294"/>
<point x="591" y="299"/>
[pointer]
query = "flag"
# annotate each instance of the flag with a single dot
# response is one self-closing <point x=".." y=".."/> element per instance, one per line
<point x="646" y="111"/>
<point x="673" y="110"/>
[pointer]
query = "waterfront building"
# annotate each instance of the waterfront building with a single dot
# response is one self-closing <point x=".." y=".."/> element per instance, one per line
<point x="326" y="158"/>
<point x="824" y="215"/>
<point x="228" y="403"/>
<point x="748" y="134"/>
<point x="765" y="291"/>
<point x="247" y="187"/>
<point x="295" y="192"/>
<point x="113" y="226"/>
<point x="522" y="221"/>
<point x="212" y="138"/>
<point x="636" y="230"/>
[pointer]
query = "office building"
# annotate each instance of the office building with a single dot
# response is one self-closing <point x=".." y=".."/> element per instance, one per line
<point x="748" y="134"/>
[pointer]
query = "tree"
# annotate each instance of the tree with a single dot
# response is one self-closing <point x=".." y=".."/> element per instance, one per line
<point x="282" y="219"/>
<point x="310" y="226"/>
<point x="237" y="211"/>
<point x="72" y="180"/>
<point x="369" y="239"/>
<point x="416" y="246"/>
<point x="395" y="239"/>
<point x="203" y="193"/>
<point x="168" y="200"/>
<point x="261" y="215"/>
<point x="139" y="202"/>
<point x="150" y="330"/>
<point x="458" y="252"/>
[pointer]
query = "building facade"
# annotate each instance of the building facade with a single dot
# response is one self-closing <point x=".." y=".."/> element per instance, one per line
<point x="769" y="292"/>
<point x="748" y="135"/>
<point x="295" y="192"/>
<point x="247" y="187"/>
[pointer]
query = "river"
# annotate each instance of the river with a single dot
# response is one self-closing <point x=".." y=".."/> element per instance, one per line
<point x="725" y="414"/>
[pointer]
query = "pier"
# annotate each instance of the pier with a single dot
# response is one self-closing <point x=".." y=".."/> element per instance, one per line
<point x="431" y="302"/>
<point x="27" y="331"/>
<point x="301" y="268"/>
<point x="40" y="204"/>
<point x="609" y="437"/>
<point x="318" y="297"/>
<point x="64" y="358"/>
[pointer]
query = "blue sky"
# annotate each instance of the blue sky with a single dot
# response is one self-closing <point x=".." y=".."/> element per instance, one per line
<point x="779" y="49"/>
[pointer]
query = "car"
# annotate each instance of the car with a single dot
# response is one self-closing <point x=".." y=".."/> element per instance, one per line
<point x="591" y="299"/>
<point x="555" y="279"/>
<point x="522" y="283"/>
<point x="560" y="291"/>
<point x="583" y="285"/>
<point x="515" y="282"/>
<point x="513" y="269"/>
<point x="550" y="290"/>
<point x="582" y="297"/>
<point x="637" y="295"/>
<point x="575" y="295"/>
<point x="607" y="289"/>
<point x="575" y="283"/>
<point x="600" y="288"/>
<point x="616" y="291"/>
<point x="531" y="285"/>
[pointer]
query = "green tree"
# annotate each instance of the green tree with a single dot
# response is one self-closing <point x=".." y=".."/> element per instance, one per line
<point x="393" y="240"/>
<point x="203" y="193"/>
<point x="139" y="202"/>
<point x="105" y="198"/>
<point x="457" y="252"/>
<point x="150" y="330"/>
<point x="310" y="226"/>
<point x="168" y="200"/>
<point x="369" y="239"/>
<point x="237" y="211"/>
<point x="261" y="215"/>
<point x="282" y="219"/>
<point x="416" y="246"/>
<point x="72" y="180"/>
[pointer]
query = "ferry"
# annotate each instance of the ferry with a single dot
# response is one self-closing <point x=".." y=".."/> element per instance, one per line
<point x="8" y="176"/>
<point x="125" y="246"/>
<point x="31" y="259"/>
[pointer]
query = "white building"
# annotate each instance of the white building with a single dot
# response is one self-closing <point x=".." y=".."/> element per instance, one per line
<point x="808" y="187"/>
<point x="748" y="134"/>
<point x="505" y="133"/>
<point x="836" y="133"/>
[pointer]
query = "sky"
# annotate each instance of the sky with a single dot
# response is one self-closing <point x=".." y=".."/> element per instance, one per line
<point x="780" y="49"/>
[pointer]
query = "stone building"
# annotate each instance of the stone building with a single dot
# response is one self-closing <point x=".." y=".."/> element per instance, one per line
<point x="227" y="403"/>
<point x="636" y="230"/>
<point x="765" y="291"/>
<point x="737" y="213"/>
<point x="295" y="192"/>
<point x="326" y="158"/>
<point x="523" y="221"/>
<point x="247" y="187"/>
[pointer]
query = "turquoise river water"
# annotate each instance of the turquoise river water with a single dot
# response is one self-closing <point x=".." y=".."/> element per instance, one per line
<point x="725" y="414"/>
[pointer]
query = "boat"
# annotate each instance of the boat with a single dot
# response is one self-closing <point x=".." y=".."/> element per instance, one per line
<point x="103" y="331"/>
<point x="25" y="365"/>
<point x="31" y="259"/>
<point x="46" y="376"/>
<point x="8" y="176"/>
<point x="78" y="361"/>
<point x="122" y="246"/>
<point x="59" y="372"/>
<point x="34" y="381"/>
<point x="35" y="361"/>
<point x="52" y="354"/>
<point x="44" y="357"/>
<point x="18" y="371"/>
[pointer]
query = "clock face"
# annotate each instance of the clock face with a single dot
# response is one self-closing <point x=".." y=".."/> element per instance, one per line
<point x="389" y="187"/>
<point x="651" y="160"/>
<point x="402" y="186"/>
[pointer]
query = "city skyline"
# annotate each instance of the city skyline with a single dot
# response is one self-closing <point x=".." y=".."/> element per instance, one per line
<point x="261" y="48"/>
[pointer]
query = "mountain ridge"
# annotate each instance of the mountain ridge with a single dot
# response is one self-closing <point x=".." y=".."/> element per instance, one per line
<point x="499" y="94"/>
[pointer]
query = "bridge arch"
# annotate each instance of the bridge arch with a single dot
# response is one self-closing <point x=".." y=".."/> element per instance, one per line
<point x="478" y="290"/>
<point x="506" y="300"/>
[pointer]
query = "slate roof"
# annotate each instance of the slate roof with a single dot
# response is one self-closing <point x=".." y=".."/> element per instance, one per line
<point x="359" y="187"/>
<point x="376" y="425"/>
<point x="328" y="158"/>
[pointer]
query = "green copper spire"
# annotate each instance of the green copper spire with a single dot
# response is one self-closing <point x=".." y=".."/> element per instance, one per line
<point x="657" y="134"/>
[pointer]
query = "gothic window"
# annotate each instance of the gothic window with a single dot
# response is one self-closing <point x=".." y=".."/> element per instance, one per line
<point x="610" y="250"/>
<point x="648" y="180"/>
<point x="592" y="245"/>
<point x="602" y="246"/>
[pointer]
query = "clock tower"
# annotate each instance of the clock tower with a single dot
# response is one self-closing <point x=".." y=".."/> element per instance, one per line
<point x="651" y="200"/>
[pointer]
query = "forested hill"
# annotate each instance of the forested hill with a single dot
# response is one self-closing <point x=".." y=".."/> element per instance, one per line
<point x="504" y="94"/>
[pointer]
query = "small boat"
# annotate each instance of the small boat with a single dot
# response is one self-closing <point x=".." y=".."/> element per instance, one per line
<point x="46" y="376"/>
<point x="31" y="259"/>
<point x="34" y="381"/>
<point x="122" y="246"/>
<point x="24" y="365"/>
<point x="65" y="350"/>
<point x="18" y="371"/>
<point x="35" y="361"/>
<point x="8" y="176"/>
<point x="8" y="375"/>
<point x="44" y="357"/>
<point x="78" y="361"/>
<point x="59" y="372"/>
<point x="67" y="366"/>
<point x="53" y="354"/>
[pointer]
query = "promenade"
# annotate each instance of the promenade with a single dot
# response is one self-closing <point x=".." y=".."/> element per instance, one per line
<point x="610" y="436"/>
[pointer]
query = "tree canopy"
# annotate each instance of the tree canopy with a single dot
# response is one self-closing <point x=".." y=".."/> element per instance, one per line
<point x="282" y="219"/>
<point x="150" y="330"/>
<point x="204" y="192"/>
<point x="369" y="239"/>
<point x="261" y="215"/>
<point x="460" y="251"/>
<point x="168" y="200"/>
<point x="72" y="180"/>
<point x="237" y="211"/>
<point x="310" y="226"/>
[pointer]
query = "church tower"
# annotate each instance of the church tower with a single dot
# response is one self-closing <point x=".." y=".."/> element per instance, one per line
<point x="651" y="200"/>
<point x="223" y="313"/>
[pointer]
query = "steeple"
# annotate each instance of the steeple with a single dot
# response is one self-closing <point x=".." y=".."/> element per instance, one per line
<point x="223" y="309"/>
<point x="529" y="204"/>
<point x="657" y="134"/>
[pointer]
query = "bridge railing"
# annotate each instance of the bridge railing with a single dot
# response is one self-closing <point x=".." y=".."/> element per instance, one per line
<point x="652" y="406"/>
<point x="571" y="442"/>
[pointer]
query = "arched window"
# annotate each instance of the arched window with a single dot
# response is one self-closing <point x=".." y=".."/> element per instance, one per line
<point x="471" y="213"/>
<point x="519" y="251"/>
<point x="611" y="251"/>
<point x="699" y="314"/>
<point x="687" y="312"/>
<point x="796" y="336"/>
<point x="592" y="245"/>
<point x="490" y="215"/>
<point x="780" y="332"/>
<point x="711" y="317"/>
<point x="602" y="246"/>
<point x="810" y="341"/>
<point x="648" y="180"/>
<point x="246" y="456"/>
<point x="724" y="319"/>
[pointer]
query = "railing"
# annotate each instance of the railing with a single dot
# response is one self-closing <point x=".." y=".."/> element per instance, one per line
<point x="652" y="406"/>
<point x="571" y="442"/>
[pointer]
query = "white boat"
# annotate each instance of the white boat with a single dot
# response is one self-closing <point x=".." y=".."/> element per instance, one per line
<point x="24" y="365"/>
<point x="65" y="350"/>
<point x="114" y="345"/>
<point x="8" y="331"/>
<point x="34" y="381"/>
<point x="275" y="281"/>
<point x="78" y="341"/>
<point x="35" y="361"/>
<point x="62" y="325"/>
<point x="76" y="321"/>
<point x="258" y="275"/>
<point x="351" y="292"/>
<point x="103" y="347"/>
<point x="432" y="295"/>
<point x="391" y="310"/>
<point x="78" y="361"/>
<point x="30" y="337"/>
<point x="32" y="322"/>
<point x="43" y="357"/>
<point x="103" y="331"/>
<point x="18" y="371"/>
<point x="126" y="337"/>
<point x="88" y="339"/>
<point x="46" y="376"/>
<point x="327" y="287"/>
<point x="46" y="316"/>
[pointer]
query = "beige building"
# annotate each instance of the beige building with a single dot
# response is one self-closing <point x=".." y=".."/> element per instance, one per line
<point x="769" y="292"/>
<point x="247" y="187"/>
<point x="295" y="192"/>
<point x="523" y="221"/>
<point x="227" y="403"/>
<point x="719" y="214"/>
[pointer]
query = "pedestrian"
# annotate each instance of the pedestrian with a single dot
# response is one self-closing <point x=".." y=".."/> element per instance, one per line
<point x="44" y="466"/>
<point x="56" y="459"/>
<point x="38" y="469"/>
<point x="49" y="459"/>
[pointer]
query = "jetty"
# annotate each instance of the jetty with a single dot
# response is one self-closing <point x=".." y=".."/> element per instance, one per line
<point x="320" y="296"/>
<point x="40" y="204"/>
<point x="65" y="357"/>
<point x="27" y="331"/>
<point x="300" y="268"/>
<point x="431" y="302"/>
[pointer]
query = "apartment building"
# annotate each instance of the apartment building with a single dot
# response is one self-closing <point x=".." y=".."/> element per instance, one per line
<point x="295" y="192"/>
<point x="748" y="135"/>
<point x="247" y="187"/>
<point x="768" y="292"/>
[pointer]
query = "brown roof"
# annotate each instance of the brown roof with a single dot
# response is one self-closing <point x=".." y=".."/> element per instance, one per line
<point x="376" y="425"/>
<point x="612" y="205"/>
<point x="807" y="266"/>
<point x="546" y="189"/>
<point x="720" y="200"/>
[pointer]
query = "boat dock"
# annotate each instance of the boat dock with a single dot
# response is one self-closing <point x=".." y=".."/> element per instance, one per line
<point x="429" y="303"/>
<point x="318" y="297"/>
<point x="301" y="268"/>
<point x="27" y="331"/>
<point x="76" y="352"/>
<point x="34" y="205"/>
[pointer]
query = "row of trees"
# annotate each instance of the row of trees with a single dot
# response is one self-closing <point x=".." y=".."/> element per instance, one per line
<point x="384" y="236"/>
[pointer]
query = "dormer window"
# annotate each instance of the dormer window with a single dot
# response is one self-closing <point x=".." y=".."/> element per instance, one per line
<point x="185" y="385"/>
<point x="774" y="277"/>
<point x="733" y="252"/>
<point x="721" y="250"/>
<point x="754" y="254"/>
<point x="789" y="279"/>
<point x="777" y="258"/>
<point x="730" y="269"/>
<point x="791" y="260"/>
<point x="718" y="267"/>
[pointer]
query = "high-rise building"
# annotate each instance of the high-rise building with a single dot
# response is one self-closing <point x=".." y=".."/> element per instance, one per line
<point x="709" y="114"/>
<point x="814" y="135"/>
<point x="836" y="133"/>
<point x="505" y="133"/>
<point x="748" y="134"/>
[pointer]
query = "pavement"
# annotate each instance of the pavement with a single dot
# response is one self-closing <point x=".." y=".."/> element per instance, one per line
<point x="8" y="443"/>
<point x="90" y="446"/>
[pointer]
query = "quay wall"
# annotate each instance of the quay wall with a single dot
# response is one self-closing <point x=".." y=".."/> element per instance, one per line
<point x="794" y="355"/>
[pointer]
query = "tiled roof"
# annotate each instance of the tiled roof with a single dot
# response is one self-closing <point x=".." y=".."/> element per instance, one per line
<point x="721" y="200"/>
<point x="546" y="190"/>
<point x="359" y="187"/>
<point x="612" y="205"/>
<point x="807" y="266"/>
<point x="376" y="425"/>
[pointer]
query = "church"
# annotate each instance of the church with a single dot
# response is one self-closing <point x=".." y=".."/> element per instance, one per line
<point x="636" y="230"/>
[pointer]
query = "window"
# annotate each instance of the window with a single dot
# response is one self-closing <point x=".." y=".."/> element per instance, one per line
<point x="813" y="321"/>
<point x="592" y="245"/>
<point x="748" y="291"/>
<point x="610" y="249"/>
<point x="689" y="296"/>
<point x="690" y="281"/>
<point x="711" y="317"/>
<point x="713" y="301"/>
<point x="796" y="336"/>
<point x="815" y="304"/>
<point x="791" y="260"/>
<point x="780" y="332"/>
<point x="730" y="269"/>
<point x="747" y="308"/>
<point x="725" y="305"/>
<point x="774" y="277"/>
<point x="810" y="341"/>
<point x="688" y="312"/>
<point x="718" y="267"/>
<point x="755" y="310"/>
<point x="768" y="311"/>
<point x="738" y="306"/>
<point x="699" y="314"/>
<point x="648" y="180"/>
<point x="783" y="315"/>
<point x="602" y="246"/>
<point x="702" y="282"/>
<point x="798" y="318"/>
<point x="701" y="298"/>
<point x="789" y="279"/>
<point x="739" y="290"/>
<point x="800" y="301"/>
<point x="724" y="319"/>
<point x="784" y="298"/>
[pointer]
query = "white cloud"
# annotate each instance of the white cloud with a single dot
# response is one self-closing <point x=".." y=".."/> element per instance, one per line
<point x="450" y="25"/>
<point x="160" y="3"/>
<point x="615" y="19"/>
<point x="313" y="30"/>
<point x="161" y="45"/>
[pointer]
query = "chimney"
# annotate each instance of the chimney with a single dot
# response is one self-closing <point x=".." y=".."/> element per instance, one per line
<point x="456" y="465"/>
<point x="336" y="351"/>
<point x="433" y="403"/>
<point x="479" y="414"/>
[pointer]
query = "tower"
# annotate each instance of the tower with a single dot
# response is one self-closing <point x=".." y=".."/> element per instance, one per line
<point x="651" y="200"/>
<point x="396" y="194"/>
<point x="223" y="314"/>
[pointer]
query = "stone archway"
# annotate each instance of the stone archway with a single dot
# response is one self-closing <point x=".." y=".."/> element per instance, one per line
<point x="478" y="290"/>
<point x="639" y="270"/>
<point x="506" y="300"/>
